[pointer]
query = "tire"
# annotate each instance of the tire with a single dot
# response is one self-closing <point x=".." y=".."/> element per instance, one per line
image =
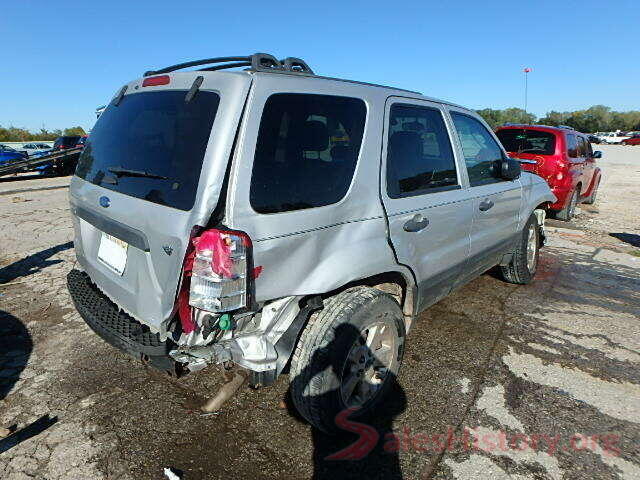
<point x="591" y="199"/>
<point x="324" y="361"/>
<point x="522" y="267"/>
<point x="566" y="214"/>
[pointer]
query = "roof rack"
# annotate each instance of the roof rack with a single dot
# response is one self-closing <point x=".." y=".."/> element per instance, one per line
<point x="258" y="62"/>
<point x="566" y="127"/>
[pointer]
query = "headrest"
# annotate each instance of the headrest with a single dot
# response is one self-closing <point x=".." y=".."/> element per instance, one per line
<point x="405" y="143"/>
<point x="314" y="136"/>
<point x="413" y="126"/>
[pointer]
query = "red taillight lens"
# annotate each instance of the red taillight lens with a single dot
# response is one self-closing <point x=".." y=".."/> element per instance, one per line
<point x="155" y="81"/>
<point x="220" y="271"/>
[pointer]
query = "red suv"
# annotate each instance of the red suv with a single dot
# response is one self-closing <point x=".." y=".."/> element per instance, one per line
<point x="562" y="156"/>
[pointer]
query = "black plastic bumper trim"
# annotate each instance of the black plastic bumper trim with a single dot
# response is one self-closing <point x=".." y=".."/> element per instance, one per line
<point x="116" y="327"/>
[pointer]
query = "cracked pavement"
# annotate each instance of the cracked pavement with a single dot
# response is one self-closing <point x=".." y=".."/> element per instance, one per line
<point x="556" y="361"/>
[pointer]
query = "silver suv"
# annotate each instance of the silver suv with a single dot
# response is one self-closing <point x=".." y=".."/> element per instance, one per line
<point x="272" y="220"/>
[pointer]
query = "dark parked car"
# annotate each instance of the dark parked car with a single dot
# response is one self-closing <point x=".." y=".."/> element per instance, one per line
<point x="594" y="139"/>
<point x="8" y="155"/>
<point x="67" y="141"/>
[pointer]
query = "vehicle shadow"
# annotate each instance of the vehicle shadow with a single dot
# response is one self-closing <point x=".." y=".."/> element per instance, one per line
<point x="15" y="348"/>
<point x="32" y="263"/>
<point x="365" y="446"/>
<point x="630" y="238"/>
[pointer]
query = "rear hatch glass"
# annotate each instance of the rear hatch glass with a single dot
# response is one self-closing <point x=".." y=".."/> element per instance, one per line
<point x="535" y="142"/>
<point x="151" y="146"/>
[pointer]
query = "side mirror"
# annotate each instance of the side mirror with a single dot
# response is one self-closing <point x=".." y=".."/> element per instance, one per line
<point x="510" y="169"/>
<point x="597" y="154"/>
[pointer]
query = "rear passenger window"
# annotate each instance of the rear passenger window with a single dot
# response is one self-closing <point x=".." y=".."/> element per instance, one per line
<point x="572" y="146"/>
<point x="480" y="149"/>
<point x="419" y="155"/>
<point x="307" y="150"/>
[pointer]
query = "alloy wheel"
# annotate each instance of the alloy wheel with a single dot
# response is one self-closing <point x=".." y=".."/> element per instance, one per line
<point x="368" y="363"/>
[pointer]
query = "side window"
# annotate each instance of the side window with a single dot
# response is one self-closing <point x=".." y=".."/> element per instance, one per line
<point x="480" y="149"/>
<point x="306" y="152"/>
<point x="586" y="147"/>
<point x="419" y="154"/>
<point x="582" y="147"/>
<point x="572" y="146"/>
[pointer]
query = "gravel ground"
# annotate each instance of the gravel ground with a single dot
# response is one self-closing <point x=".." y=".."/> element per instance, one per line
<point x="499" y="381"/>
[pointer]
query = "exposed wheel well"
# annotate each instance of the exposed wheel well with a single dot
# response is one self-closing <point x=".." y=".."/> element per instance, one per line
<point x="393" y="283"/>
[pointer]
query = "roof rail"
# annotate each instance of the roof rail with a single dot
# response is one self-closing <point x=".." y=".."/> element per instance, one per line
<point x="566" y="127"/>
<point x="258" y="62"/>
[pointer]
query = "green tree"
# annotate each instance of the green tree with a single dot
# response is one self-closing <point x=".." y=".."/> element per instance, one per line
<point x="75" y="131"/>
<point x="496" y="118"/>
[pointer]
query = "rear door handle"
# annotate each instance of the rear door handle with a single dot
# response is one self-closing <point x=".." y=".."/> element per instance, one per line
<point x="417" y="223"/>
<point x="486" y="205"/>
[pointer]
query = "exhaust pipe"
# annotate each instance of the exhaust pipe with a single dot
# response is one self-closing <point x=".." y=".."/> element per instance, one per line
<point x="226" y="391"/>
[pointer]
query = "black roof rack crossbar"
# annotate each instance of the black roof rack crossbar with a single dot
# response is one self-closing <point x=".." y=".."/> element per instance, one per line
<point x="196" y="63"/>
<point x="259" y="62"/>
<point x="226" y="65"/>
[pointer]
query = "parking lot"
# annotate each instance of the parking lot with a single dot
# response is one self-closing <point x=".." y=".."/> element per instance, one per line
<point x="499" y="381"/>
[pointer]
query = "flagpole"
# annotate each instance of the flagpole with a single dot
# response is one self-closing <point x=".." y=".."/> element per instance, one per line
<point x="526" y="71"/>
<point x="525" y="91"/>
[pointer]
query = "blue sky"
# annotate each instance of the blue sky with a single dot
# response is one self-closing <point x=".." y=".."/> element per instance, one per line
<point x="63" y="58"/>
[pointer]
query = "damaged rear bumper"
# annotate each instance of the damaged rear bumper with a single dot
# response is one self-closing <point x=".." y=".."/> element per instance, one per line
<point x="116" y="327"/>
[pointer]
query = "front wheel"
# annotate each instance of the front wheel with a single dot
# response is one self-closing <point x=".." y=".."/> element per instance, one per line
<point x="347" y="357"/>
<point x="524" y="263"/>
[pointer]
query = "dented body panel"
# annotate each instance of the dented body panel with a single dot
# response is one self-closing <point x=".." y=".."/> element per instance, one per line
<point x="147" y="288"/>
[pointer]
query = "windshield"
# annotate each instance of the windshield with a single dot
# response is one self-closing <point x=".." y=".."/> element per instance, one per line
<point x="527" y="141"/>
<point x="159" y="136"/>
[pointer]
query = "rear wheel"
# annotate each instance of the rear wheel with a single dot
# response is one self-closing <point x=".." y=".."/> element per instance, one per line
<point x="524" y="263"/>
<point x="567" y="213"/>
<point x="347" y="356"/>
<point x="591" y="199"/>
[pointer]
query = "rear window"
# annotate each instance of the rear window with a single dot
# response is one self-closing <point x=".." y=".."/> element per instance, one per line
<point x="527" y="141"/>
<point x="151" y="146"/>
<point x="306" y="152"/>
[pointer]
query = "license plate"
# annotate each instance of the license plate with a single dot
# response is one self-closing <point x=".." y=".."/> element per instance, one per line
<point x="113" y="253"/>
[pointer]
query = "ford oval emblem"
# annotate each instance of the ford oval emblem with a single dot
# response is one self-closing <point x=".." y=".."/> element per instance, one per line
<point x="104" y="202"/>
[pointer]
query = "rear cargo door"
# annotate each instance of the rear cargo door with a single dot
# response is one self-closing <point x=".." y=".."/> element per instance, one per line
<point x="428" y="208"/>
<point x="151" y="170"/>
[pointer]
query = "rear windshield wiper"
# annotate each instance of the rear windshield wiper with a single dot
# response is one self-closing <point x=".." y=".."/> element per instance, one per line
<point x="125" y="172"/>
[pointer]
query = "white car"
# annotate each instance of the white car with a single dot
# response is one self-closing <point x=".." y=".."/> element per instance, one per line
<point x="613" y="137"/>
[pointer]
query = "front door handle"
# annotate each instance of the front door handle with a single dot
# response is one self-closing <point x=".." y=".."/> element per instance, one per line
<point x="417" y="223"/>
<point x="486" y="205"/>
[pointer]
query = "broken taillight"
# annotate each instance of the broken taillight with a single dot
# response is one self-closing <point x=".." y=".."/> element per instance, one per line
<point x="219" y="274"/>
